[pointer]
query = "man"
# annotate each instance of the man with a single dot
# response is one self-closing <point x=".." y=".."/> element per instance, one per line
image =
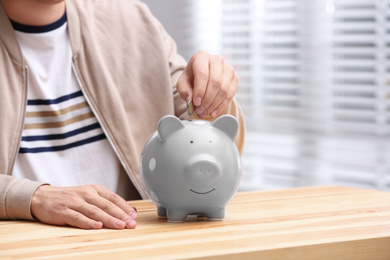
<point x="82" y="86"/>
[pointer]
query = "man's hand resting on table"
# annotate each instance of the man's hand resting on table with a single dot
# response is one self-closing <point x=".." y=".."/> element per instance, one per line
<point x="88" y="207"/>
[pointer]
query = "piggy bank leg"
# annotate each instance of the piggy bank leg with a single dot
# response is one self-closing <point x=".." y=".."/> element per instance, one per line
<point x="216" y="215"/>
<point x="161" y="212"/>
<point x="176" y="215"/>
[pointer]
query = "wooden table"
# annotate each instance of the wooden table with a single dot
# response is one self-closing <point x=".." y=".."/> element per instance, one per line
<point x="301" y="223"/>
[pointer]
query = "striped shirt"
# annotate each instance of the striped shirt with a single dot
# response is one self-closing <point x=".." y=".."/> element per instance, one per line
<point x="59" y="124"/>
<point x="62" y="142"/>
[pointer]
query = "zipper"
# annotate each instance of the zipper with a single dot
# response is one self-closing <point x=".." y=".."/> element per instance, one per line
<point x="75" y="71"/>
<point x="24" y="120"/>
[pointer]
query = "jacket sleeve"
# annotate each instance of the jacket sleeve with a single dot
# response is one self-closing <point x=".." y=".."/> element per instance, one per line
<point x="15" y="197"/>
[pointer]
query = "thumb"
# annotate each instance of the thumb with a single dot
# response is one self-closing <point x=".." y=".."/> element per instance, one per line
<point x="184" y="86"/>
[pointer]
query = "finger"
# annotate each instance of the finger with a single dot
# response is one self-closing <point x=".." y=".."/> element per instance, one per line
<point x="184" y="87"/>
<point x="115" y="199"/>
<point x="114" y="205"/>
<point x="121" y="218"/>
<point x="199" y="65"/>
<point x="76" y="219"/>
<point x="95" y="213"/>
<point x="226" y="85"/>
<point x="229" y="97"/>
<point x="216" y="64"/>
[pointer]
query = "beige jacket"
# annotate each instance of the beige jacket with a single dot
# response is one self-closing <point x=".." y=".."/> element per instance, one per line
<point x="127" y="67"/>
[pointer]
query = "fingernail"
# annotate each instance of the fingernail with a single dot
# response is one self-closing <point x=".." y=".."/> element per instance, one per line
<point x="130" y="223"/>
<point x="197" y="102"/>
<point x="97" y="224"/>
<point x="120" y="224"/>
<point x="199" y="110"/>
<point x="203" y="114"/>
<point x="214" y="114"/>
<point x="133" y="214"/>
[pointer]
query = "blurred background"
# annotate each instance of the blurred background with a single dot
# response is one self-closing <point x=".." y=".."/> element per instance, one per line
<point x="314" y="84"/>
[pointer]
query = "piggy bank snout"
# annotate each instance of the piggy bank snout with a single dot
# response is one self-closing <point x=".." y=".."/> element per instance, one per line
<point x="204" y="169"/>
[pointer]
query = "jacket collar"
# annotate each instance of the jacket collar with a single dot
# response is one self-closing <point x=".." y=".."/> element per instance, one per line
<point x="11" y="43"/>
<point x="8" y="38"/>
<point x="74" y="26"/>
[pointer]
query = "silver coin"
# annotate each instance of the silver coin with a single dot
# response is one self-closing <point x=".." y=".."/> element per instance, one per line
<point x="190" y="108"/>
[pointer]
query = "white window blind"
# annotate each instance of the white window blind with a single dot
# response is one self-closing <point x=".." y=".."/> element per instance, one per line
<point x="358" y="150"/>
<point x="314" y="84"/>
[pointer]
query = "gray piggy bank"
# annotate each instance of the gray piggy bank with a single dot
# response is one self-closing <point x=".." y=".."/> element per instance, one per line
<point x="191" y="167"/>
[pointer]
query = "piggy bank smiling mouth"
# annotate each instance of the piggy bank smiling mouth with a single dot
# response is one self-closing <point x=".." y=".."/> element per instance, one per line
<point x="202" y="193"/>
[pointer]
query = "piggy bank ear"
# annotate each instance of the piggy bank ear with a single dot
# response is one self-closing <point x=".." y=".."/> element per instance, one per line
<point x="228" y="124"/>
<point x="167" y="126"/>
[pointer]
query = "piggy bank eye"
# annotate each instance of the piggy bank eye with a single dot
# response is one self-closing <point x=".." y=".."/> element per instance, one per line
<point x="191" y="142"/>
